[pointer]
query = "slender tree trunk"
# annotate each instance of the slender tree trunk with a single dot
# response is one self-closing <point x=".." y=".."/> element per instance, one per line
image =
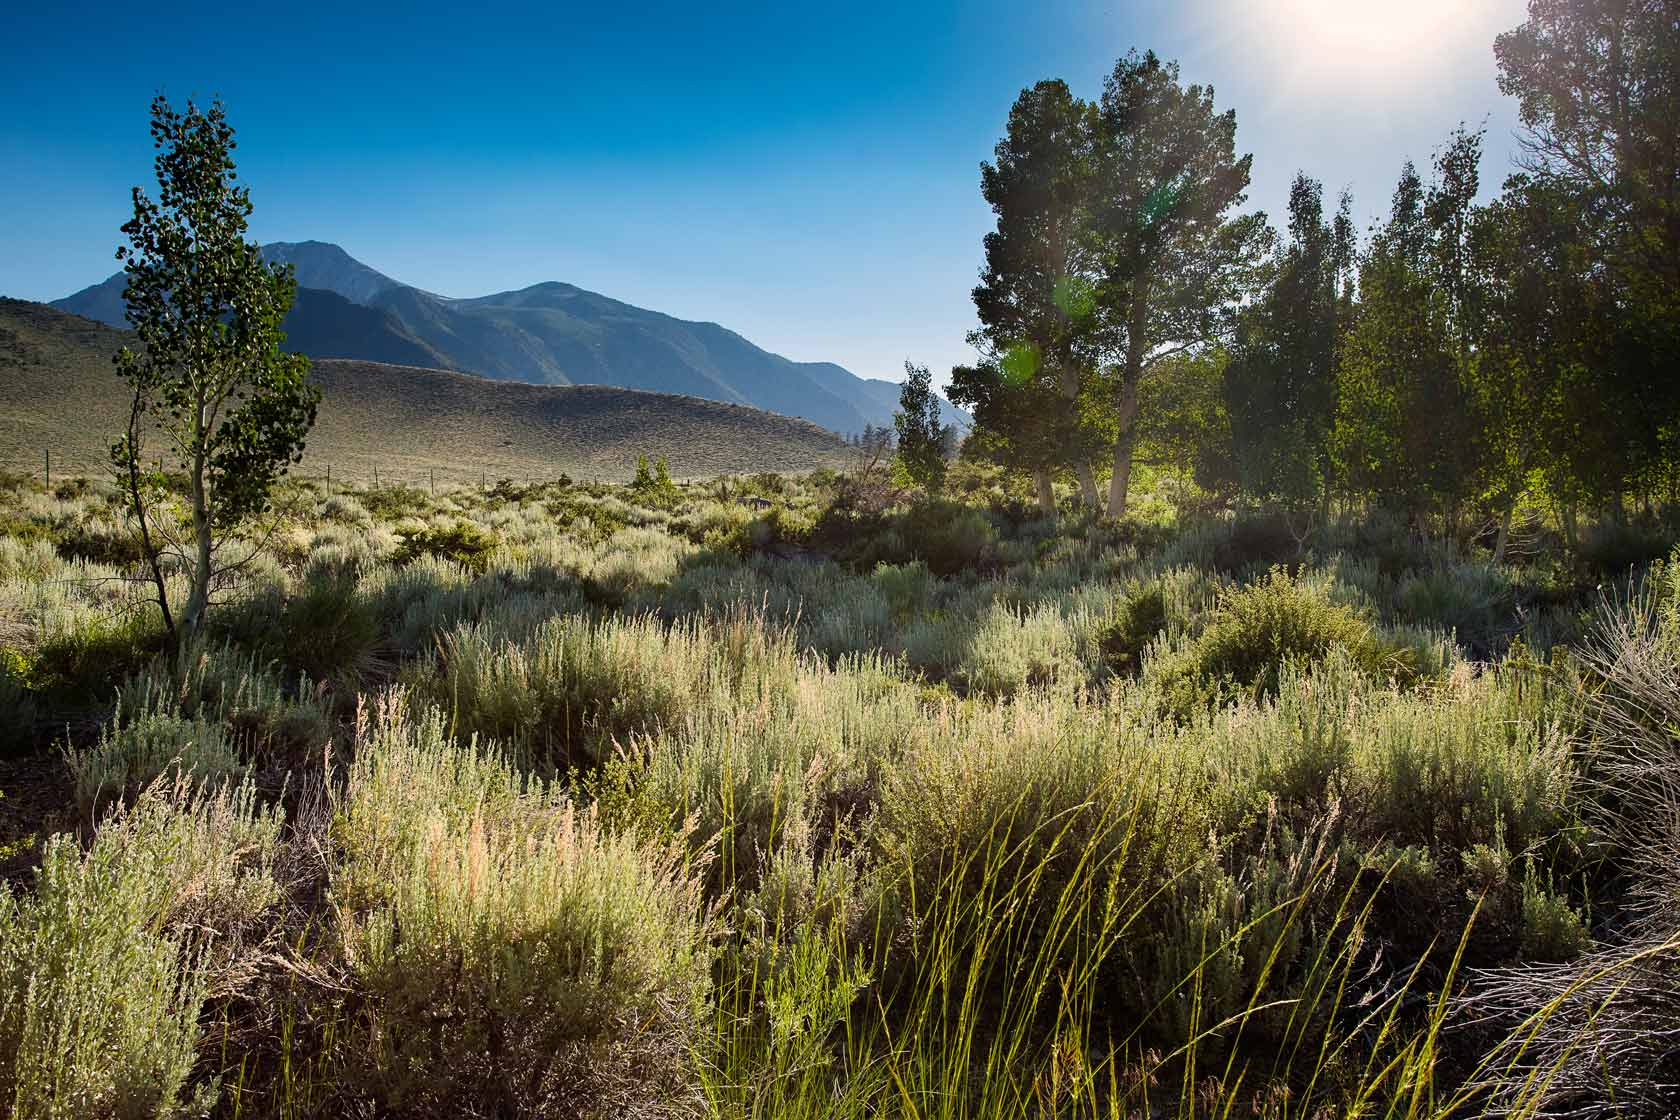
<point x="1046" y="492"/>
<point x="139" y="506"/>
<point x="199" y="599"/>
<point x="1126" y="441"/>
<point x="1087" y="486"/>
<point x="1504" y="531"/>
<point x="1120" y="482"/>
<point x="1067" y="377"/>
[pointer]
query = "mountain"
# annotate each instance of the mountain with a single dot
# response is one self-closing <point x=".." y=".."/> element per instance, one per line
<point x="323" y="324"/>
<point x="59" y="394"/>
<point x="318" y="264"/>
<point x="550" y="333"/>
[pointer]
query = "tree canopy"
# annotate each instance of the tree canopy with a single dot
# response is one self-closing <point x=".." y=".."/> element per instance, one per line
<point x="1467" y="354"/>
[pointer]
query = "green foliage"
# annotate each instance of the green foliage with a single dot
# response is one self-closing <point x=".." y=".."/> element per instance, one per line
<point x="1615" y="547"/>
<point x="903" y="805"/>
<point x="1140" y="618"/>
<point x="653" y="486"/>
<point x="1259" y="629"/>
<point x="1113" y="236"/>
<point x="461" y="542"/>
<point x="209" y="371"/>
<point x="1280" y="385"/>
<point x="103" y="967"/>
<point x="1406" y="429"/>
<point x="390" y="503"/>
<point x="136" y="748"/>
<point x="1595" y="86"/>
<point x="1552" y="929"/>
<point x="950" y="538"/>
<point x="921" y="444"/>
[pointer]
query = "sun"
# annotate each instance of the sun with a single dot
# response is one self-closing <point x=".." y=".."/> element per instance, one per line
<point x="1371" y="29"/>
<point x="1365" y="45"/>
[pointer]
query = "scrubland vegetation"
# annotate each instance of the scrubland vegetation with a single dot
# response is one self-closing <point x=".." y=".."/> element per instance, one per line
<point x="751" y="798"/>
<point x="1328" y="768"/>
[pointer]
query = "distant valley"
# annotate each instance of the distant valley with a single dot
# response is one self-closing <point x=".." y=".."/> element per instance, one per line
<point x="546" y="334"/>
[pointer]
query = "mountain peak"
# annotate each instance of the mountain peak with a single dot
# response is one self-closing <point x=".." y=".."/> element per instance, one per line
<point x="321" y="264"/>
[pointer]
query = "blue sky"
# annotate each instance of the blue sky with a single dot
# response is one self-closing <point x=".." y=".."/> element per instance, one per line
<point x="806" y="174"/>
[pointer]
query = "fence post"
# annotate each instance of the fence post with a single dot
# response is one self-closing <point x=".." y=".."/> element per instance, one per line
<point x="49" y="468"/>
<point x="434" y="481"/>
<point x="376" y="478"/>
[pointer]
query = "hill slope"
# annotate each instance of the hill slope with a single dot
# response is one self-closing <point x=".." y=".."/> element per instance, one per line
<point x="550" y="333"/>
<point x="58" y="392"/>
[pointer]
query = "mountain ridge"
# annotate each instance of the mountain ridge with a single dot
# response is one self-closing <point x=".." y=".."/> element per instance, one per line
<point x="548" y="333"/>
<point x="60" y="395"/>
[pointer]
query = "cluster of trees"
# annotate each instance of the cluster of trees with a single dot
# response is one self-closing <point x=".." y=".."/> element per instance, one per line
<point x="1466" y="355"/>
<point x="872" y="438"/>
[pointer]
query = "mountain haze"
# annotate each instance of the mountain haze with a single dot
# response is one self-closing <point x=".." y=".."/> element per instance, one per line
<point x="548" y="334"/>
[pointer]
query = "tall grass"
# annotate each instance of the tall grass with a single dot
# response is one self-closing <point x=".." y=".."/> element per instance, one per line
<point x="106" y="963"/>
<point x="511" y="954"/>
<point x="620" y="811"/>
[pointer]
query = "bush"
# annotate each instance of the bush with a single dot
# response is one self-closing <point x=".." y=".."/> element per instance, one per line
<point x="20" y="710"/>
<point x="1612" y="548"/>
<point x="136" y="748"/>
<point x="950" y="537"/>
<point x="1140" y="618"/>
<point x="1257" y="541"/>
<point x="235" y="692"/>
<point x="392" y="503"/>
<point x="1258" y="628"/>
<point x="1475" y="602"/>
<point x="1552" y="930"/>
<point x="514" y="958"/>
<point x="103" y="969"/>
<point x="79" y="663"/>
<point x="462" y="542"/>
<point x="328" y="628"/>
<point x="100" y="541"/>
<point x="563" y="691"/>
<point x="653" y="486"/>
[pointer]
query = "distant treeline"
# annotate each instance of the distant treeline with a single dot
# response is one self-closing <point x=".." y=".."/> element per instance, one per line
<point x="1458" y="360"/>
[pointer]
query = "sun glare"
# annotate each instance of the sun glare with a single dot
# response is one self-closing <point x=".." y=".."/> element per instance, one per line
<point x="1373" y="27"/>
<point x="1368" y="43"/>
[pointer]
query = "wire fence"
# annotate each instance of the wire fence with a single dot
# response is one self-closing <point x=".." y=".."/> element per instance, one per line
<point x="50" y="468"/>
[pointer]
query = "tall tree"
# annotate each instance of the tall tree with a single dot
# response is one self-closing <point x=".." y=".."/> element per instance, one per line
<point x="1597" y="84"/>
<point x="1015" y="425"/>
<point x="921" y="437"/>
<point x="1184" y="423"/>
<point x="1280" y="385"/>
<point x="1529" y="383"/>
<point x="1174" y="261"/>
<point x="1034" y="299"/>
<point x="1598" y="89"/>
<point x="1406" y="431"/>
<point x="232" y="410"/>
